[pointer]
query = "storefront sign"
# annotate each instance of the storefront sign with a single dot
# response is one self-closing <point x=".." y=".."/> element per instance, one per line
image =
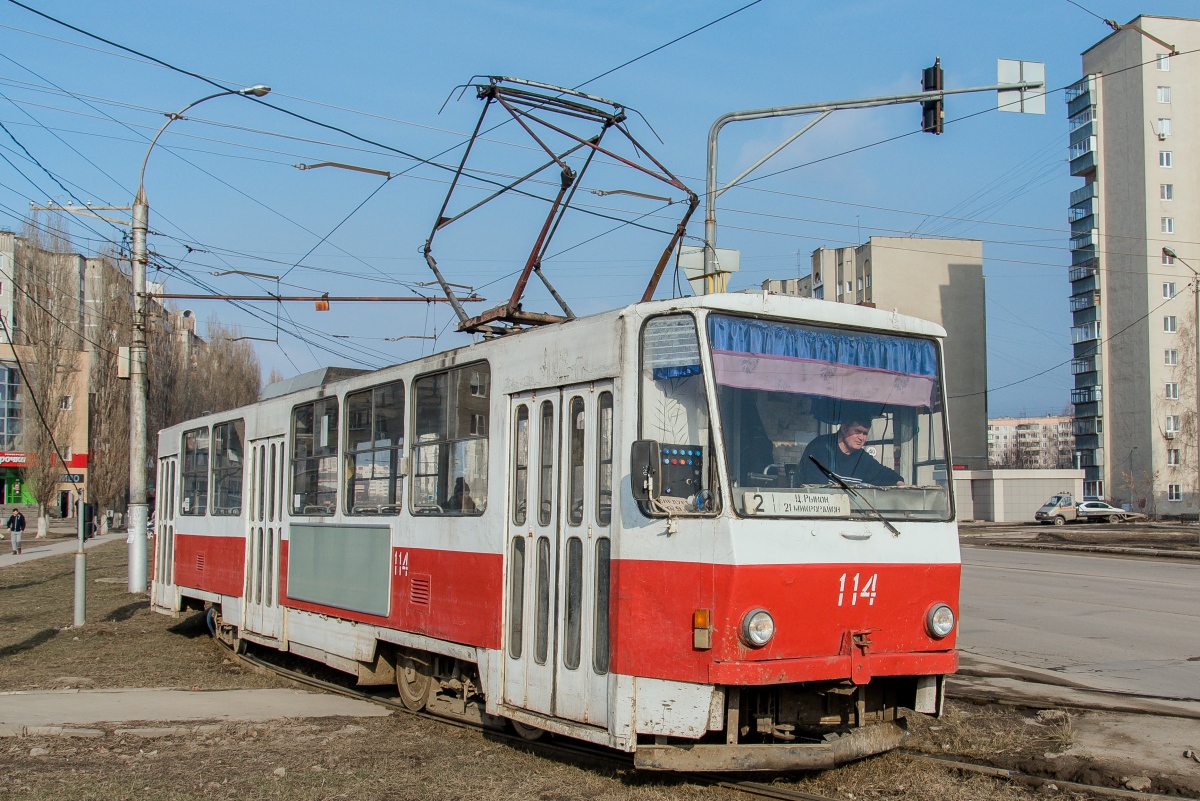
<point x="12" y="458"/>
<point x="71" y="478"/>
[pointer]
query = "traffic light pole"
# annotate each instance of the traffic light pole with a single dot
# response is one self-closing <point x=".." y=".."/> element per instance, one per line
<point x="712" y="192"/>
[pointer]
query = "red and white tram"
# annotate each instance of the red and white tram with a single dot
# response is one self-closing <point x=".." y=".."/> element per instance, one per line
<point x="609" y="528"/>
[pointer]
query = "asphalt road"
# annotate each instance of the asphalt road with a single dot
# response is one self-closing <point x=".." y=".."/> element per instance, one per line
<point x="1111" y="623"/>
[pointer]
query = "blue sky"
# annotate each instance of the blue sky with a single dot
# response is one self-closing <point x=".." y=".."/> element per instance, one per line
<point x="222" y="181"/>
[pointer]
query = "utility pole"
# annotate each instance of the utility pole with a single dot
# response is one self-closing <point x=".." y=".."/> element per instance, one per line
<point x="139" y="510"/>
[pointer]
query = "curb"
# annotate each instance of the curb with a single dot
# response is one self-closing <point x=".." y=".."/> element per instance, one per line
<point x="70" y="731"/>
<point x="1109" y="549"/>
<point x="48" y="731"/>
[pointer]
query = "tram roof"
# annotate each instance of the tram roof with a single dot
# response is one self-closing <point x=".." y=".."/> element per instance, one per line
<point x="753" y="304"/>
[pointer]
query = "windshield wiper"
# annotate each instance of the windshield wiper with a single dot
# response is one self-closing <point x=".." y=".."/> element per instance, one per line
<point x="856" y="494"/>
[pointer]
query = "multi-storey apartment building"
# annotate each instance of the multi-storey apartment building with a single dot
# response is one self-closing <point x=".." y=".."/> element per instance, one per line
<point x="1045" y="443"/>
<point x="935" y="279"/>
<point x="1135" y="140"/>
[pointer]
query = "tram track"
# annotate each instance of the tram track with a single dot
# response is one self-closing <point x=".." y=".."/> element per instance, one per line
<point x="610" y="759"/>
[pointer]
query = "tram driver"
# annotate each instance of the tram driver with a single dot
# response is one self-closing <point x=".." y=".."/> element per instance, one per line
<point x="844" y="453"/>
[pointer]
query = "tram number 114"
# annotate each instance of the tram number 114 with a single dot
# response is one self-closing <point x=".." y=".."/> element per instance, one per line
<point x="867" y="593"/>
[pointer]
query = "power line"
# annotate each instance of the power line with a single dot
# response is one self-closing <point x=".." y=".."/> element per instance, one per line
<point x="668" y="44"/>
<point x="1095" y="351"/>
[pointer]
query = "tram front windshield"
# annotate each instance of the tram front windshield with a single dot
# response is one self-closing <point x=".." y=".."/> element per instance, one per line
<point x="808" y="411"/>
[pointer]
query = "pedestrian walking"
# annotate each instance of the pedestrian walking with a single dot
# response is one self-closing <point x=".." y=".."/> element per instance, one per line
<point x="16" y="525"/>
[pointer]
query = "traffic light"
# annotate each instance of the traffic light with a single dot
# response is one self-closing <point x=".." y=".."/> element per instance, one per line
<point x="933" y="112"/>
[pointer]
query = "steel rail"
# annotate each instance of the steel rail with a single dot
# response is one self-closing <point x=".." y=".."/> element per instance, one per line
<point x="595" y="754"/>
<point x="617" y="759"/>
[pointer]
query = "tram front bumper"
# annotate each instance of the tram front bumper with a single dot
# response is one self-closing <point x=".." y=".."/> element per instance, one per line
<point x="858" y="743"/>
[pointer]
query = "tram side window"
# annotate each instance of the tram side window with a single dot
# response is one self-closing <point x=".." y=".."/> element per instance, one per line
<point x="450" y="455"/>
<point x="194" y="499"/>
<point x="314" y="457"/>
<point x="604" y="458"/>
<point x="374" y="446"/>
<point x="227" y="467"/>
<point x="521" y="465"/>
<point x="575" y="465"/>
<point x="674" y="412"/>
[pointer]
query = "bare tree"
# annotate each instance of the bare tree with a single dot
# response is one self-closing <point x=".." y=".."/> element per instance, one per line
<point x="274" y="377"/>
<point x="108" y="467"/>
<point x="224" y="372"/>
<point x="48" y="338"/>
<point x="1140" y="489"/>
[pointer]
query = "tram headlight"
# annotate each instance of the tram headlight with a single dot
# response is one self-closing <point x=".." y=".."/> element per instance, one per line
<point x="758" y="627"/>
<point x="940" y="621"/>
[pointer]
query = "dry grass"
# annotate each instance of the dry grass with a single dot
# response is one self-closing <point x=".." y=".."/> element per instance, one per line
<point x="992" y="733"/>
<point x="124" y="644"/>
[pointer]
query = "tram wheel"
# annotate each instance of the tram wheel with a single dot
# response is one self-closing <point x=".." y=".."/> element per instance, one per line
<point x="219" y="631"/>
<point x="530" y="733"/>
<point x="413" y="680"/>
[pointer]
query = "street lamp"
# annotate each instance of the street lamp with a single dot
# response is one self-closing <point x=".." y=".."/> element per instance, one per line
<point x="1171" y="254"/>
<point x="138" y="421"/>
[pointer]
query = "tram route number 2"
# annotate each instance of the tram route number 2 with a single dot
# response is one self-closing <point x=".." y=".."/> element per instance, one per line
<point x="867" y="593"/>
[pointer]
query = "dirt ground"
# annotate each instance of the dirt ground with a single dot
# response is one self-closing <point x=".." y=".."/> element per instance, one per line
<point x="393" y="758"/>
<point x="1181" y="537"/>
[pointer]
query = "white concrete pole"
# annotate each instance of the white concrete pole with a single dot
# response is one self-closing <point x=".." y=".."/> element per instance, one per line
<point x="138" y="509"/>
<point x="80" y="573"/>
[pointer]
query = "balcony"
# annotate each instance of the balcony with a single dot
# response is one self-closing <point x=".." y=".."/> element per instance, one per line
<point x="1084" y="224"/>
<point x="1088" y="442"/>
<point x="1088" y="425"/>
<point x="1080" y="104"/>
<point x="1078" y="135"/>
<point x="1084" y="258"/>
<point x="1085" y="192"/>
<point x="1079" y="302"/>
<point x="1088" y="410"/>
<point x="1085" y="333"/>
<point x="1088" y="281"/>
<point x="1086" y="395"/>
<point x="1085" y="240"/>
<point x="1083" y="164"/>
<point x="1079" y="95"/>
<point x="1085" y="364"/>
<point x="1085" y="116"/>
<point x="1088" y="314"/>
<point x="1089" y="457"/>
<point x="1083" y="208"/>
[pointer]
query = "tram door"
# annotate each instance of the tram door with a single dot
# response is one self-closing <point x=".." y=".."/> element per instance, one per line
<point x="585" y="521"/>
<point x="531" y="542"/>
<point x="263" y="533"/>
<point x="560" y="517"/>
<point x="164" y="534"/>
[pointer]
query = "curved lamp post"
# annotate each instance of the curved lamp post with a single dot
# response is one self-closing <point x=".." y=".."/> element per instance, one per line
<point x="138" y="422"/>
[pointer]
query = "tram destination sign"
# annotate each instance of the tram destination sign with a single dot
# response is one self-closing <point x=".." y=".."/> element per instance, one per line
<point x="797" y="504"/>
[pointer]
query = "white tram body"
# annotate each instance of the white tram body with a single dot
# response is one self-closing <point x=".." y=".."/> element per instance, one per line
<point x="467" y="525"/>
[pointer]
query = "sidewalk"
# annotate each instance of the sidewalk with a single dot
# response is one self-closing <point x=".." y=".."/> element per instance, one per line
<point x="33" y="548"/>
<point x="33" y="709"/>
